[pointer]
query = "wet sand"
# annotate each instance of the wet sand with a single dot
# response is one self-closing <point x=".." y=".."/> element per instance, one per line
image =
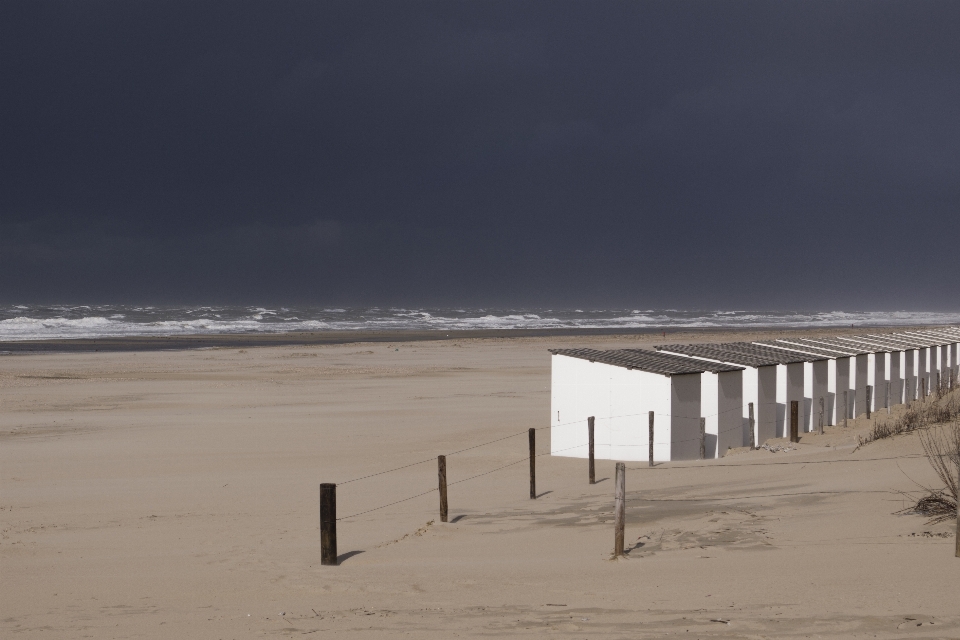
<point x="173" y="493"/>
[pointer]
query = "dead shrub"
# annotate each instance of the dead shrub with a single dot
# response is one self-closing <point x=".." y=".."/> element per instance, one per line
<point x="941" y="445"/>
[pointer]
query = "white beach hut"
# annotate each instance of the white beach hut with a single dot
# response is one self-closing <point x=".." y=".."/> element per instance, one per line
<point x="910" y="361"/>
<point x="822" y="379"/>
<point x="926" y="361"/>
<point x="878" y="358"/>
<point x="816" y="376"/>
<point x="952" y="337"/>
<point x="840" y="374"/>
<point x="930" y="353"/>
<point x="940" y="352"/>
<point x="759" y="384"/>
<point x="933" y="369"/>
<point x="859" y="372"/>
<point x="901" y="372"/>
<point x="619" y="388"/>
<point x="788" y="378"/>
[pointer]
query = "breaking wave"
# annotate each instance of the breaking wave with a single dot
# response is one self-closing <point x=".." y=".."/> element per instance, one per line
<point x="29" y="322"/>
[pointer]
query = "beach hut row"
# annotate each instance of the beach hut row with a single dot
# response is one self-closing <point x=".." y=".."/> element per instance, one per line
<point x="682" y="383"/>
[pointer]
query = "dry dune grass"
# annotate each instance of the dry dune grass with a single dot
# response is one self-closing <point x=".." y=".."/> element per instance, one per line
<point x="936" y="422"/>
<point x="938" y="408"/>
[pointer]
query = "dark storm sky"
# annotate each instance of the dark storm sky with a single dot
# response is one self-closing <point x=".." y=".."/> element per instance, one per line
<point x="798" y="155"/>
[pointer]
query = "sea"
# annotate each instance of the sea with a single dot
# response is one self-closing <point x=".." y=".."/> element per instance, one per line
<point x="47" y="322"/>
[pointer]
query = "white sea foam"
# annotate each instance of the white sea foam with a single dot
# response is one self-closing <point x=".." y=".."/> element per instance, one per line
<point x="25" y="322"/>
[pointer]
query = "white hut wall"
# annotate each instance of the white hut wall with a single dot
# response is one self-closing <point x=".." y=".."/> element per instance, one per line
<point x="841" y="384"/>
<point x="910" y="357"/>
<point x="660" y="393"/>
<point x="953" y="361"/>
<point x="923" y="369"/>
<point x="820" y="375"/>
<point x="578" y="389"/>
<point x="729" y="405"/>
<point x="831" y="391"/>
<point x="750" y="380"/>
<point x="808" y="398"/>
<point x="684" y="417"/>
<point x="878" y="379"/>
<point x="943" y="363"/>
<point x="860" y="373"/>
<point x="894" y="365"/>
<point x="633" y="394"/>
<point x="766" y="409"/>
<point x="781" y="399"/>
<point x="934" y="356"/>
<point x="795" y="394"/>
<point x="619" y="399"/>
<point x="709" y="393"/>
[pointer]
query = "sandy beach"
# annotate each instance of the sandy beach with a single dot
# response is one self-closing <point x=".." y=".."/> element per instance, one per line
<point x="165" y="492"/>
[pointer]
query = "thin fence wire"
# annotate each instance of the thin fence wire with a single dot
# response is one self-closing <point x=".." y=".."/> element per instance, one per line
<point x="770" y="464"/>
<point x="714" y="466"/>
<point x="450" y="484"/>
<point x="384" y="506"/>
<point x="580" y="423"/>
<point x="766" y="495"/>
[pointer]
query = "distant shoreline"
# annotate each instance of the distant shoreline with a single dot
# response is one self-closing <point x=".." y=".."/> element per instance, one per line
<point x="317" y="338"/>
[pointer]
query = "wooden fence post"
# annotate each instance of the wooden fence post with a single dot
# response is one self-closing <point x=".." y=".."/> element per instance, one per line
<point x="703" y="438"/>
<point x="887" y="401"/>
<point x="753" y="437"/>
<point x="794" y="421"/>
<point x="533" y="468"/>
<point x="591" y="469"/>
<point x="328" y="523"/>
<point x="869" y="398"/>
<point x="619" y="507"/>
<point x="821" y="415"/>
<point x="442" y="477"/>
<point x="650" y="441"/>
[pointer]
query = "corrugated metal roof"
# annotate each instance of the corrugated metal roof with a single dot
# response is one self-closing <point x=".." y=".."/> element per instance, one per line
<point x="787" y="356"/>
<point x="695" y="357"/>
<point x="743" y="353"/>
<point x="921" y="338"/>
<point x="856" y="346"/>
<point x="832" y="350"/>
<point x="812" y="350"/>
<point x="900" y="342"/>
<point x="713" y="352"/>
<point x="660" y="363"/>
<point x="930" y="341"/>
<point x="894" y="343"/>
<point x="945" y="335"/>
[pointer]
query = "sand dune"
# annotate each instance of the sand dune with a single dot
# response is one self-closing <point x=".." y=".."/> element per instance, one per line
<point x="173" y="494"/>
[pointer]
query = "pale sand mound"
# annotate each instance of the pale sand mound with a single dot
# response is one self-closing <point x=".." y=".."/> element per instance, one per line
<point x="174" y="495"/>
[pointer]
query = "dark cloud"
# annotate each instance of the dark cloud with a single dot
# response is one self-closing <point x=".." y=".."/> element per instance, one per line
<point x="708" y="154"/>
